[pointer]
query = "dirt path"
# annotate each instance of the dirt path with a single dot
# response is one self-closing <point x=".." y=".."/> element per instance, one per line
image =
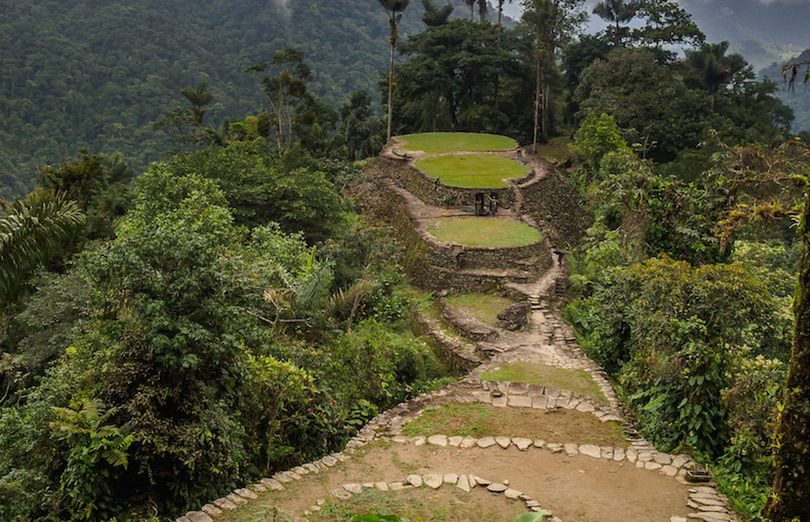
<point x="545" y="444"/>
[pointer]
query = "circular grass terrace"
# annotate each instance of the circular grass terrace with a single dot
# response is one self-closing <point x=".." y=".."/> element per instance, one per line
<point x="485" y="171"/>
<point x="484" y="232"/>
<point x="443" y="142"/>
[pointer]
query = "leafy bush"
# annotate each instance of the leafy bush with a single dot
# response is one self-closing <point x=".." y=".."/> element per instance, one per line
<point x="665" y="330"/>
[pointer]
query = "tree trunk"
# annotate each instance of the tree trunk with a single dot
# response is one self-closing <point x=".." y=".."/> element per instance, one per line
<point x="280" y="121"/>
<point x="391" y="81"/>
<point x="537" y="98"/>
<point x="790" y="499"/>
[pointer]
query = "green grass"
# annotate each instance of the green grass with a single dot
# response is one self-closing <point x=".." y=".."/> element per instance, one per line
<point x="484" y="232"/>
<point x="484" y="420"/>
<point x="577" y="381"/>
<point x="557" y="150"/>
<point x="473" y="170"/>
<point x="483" y="307"/>
<point x="441" y="142"/>
<point x="443" y="505"/>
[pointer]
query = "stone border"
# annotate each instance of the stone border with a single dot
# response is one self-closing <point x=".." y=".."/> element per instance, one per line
<point x="709" y="504"/>
<point x="463" y="482"/>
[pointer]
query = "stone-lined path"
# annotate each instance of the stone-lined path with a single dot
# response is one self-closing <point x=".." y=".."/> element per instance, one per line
<point x="567" y="480"/>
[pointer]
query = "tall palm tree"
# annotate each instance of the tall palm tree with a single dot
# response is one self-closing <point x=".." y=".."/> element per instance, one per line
<point x="619" y="12"/>
<point x="394" y="8"/>
<point x="31" y="231"/>
<point x="500" y="17"/>
<point x="471" y="3"/>
<point x="200" y="98"/>
<point x="483" y="10"/>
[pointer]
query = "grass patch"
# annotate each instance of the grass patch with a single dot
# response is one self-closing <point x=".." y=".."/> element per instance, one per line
<point x="484" y="420"/>
<point x="441" y="142"/>
<point x="424" y="505"/>
<point x="473" y="170"/>
<point x="557" y="150"/>
<point x="483" y="307"/>
<point x="577" y="381"/>
<point x="484" y="232"/>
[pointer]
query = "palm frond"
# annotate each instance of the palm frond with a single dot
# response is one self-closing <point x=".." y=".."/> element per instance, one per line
<point x="31" y="231"/>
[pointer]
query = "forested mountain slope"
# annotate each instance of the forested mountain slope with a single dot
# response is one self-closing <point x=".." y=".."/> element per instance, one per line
<point x="799" y="101"/>
<point x="81" y="73"/>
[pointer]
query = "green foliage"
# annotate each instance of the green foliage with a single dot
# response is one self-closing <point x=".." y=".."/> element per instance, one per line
<point x="262" y="187"/>
<point x="99" y="185"/>
<point x="597" y="136"/>
<point x="663" y="328"/>
<point x="650" y="103"/>
<point x="31" y="232"/>
<point x="96" y="450"/>
<point x="457" y="77"/>
<point x="118" y="87"/>
<point x="184" y="298"/>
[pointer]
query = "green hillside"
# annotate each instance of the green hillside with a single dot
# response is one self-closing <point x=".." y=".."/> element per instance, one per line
<point x="798" y="101"/>
<point x="80" y="74"/>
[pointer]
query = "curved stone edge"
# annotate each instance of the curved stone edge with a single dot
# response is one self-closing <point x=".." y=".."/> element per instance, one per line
<point x="464" y="482"/>
<point x="708" y="504"/>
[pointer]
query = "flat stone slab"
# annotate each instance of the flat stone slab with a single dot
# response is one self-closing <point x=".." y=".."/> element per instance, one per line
<point x="224" y="503"/>
<point x="437" y="440"/>
<point x="354" y="489"/>
<point x="520" y="401"/>
<point x="414" y="480"/>
<point x="433" y="481"/>
<point x="198" y="516"/>
<point x="486" y="442"/>
<point x="497" y="487"/>
<point x="246" y="493"/>
<point x="273" y="484"/>
<point x="522" y="443"/>
<point x="590" y="450"/>
<point x="503" y="442"/>
<point x="512" y="494"/>
<point x="468" y="442"/>
<point x="463" y="484"/>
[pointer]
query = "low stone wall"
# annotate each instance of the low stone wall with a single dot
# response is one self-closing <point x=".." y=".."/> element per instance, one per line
<point x="460" y="357"/>
<point x="436" y="266"/>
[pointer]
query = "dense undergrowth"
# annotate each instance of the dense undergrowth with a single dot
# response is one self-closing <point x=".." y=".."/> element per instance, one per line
<point x="204" y="345"/>
<point x="695" y="333"/>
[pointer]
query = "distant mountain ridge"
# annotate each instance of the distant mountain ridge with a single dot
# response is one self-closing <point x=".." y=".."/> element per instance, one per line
<point x="798" y="101"/>
<point x="86" y="74"/>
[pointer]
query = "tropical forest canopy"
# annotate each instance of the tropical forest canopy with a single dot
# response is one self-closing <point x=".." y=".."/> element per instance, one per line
<point x="193" y="296"/>
<point x="76" y="74"/>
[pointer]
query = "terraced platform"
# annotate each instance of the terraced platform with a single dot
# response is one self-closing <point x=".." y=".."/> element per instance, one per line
<point x="534" y="425"/>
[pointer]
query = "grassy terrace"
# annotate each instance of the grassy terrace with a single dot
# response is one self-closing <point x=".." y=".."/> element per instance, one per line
<point x="441" y="142"/>
<point x="484" y="232"/>
<point x="483" y="307"/>
<point x="484" y="420"/>
<point x="473" y="170"/>
<point x="577" y="381"/>
<point x="444" y="505"/>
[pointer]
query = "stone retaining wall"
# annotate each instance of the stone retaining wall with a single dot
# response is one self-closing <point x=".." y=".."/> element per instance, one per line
<point x="552" y="201"/>
<point x="437" y="266"/>
<point x="438" y="194"/>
